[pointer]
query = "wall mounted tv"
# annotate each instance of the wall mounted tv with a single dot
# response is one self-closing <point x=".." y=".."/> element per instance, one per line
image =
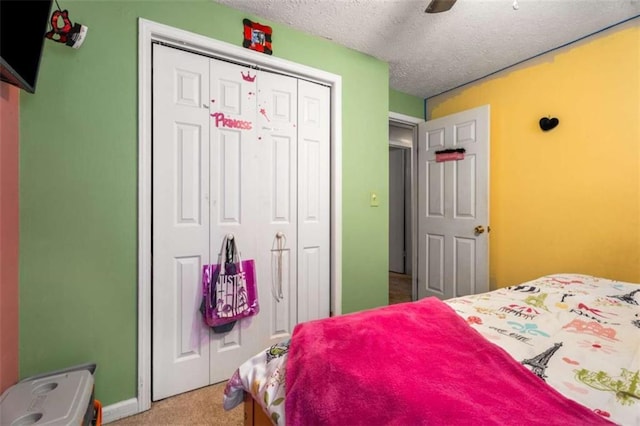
<point x="23" y="24"/>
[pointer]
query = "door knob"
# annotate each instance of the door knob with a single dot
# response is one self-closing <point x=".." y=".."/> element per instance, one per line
<point x="479" y="229"/>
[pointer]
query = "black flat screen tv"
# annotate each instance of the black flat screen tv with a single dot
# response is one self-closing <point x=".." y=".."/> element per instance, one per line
<point x="23" y="24"/>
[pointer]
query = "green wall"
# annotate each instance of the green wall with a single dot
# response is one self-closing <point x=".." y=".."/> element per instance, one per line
<point x="78" y="188"/>
<point x="406" y="104"/>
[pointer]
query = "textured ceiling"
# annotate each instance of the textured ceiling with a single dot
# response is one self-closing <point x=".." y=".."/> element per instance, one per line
<point x="432" y="53"/>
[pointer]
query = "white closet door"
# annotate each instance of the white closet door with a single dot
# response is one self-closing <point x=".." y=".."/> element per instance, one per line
<point x="234" y="176"/>
<point x="237" y="152"/>
<point x="180" y="220"/>
<point x="313" y="201"/>
<point x="277" y="201"/>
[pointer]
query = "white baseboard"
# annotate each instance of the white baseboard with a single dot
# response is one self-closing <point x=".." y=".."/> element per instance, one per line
<point x="119" y="410"/>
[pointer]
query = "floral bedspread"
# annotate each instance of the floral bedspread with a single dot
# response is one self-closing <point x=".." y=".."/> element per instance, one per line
<point x="263" y="377"/>
<point x="578" y="333"/>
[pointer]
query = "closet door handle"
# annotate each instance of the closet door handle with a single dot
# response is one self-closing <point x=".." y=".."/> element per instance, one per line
<point x="278" y="247"/>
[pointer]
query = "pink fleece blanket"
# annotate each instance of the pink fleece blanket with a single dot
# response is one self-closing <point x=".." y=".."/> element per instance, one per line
<point x="413" y="364"/>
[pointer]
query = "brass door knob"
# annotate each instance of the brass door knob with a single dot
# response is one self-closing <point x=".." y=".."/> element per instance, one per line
<point x="479" y="229"/>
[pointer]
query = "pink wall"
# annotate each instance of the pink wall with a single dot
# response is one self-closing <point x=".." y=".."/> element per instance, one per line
<point x="9" y="233"/>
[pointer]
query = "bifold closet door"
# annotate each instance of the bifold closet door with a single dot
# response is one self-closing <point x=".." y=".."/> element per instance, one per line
<point x="314" y="147"/>
<point x="253" y="183"/>
<point x="235" y="152"/>
<point x="180" y="340"/>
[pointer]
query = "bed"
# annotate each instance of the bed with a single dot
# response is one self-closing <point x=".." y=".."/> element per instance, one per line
<point x="562" y="349"/>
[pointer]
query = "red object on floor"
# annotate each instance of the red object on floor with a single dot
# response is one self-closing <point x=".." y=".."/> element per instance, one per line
<point x="97" y="407"/>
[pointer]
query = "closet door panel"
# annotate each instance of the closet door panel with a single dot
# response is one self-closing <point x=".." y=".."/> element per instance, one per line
<point x="282" y="179"/>
<point x="229" y="168"/>
<point x="180" y="221"/>
<point x="233" y="190"/>
<point x="313" y="201"/>
<point x="277" y="134"/>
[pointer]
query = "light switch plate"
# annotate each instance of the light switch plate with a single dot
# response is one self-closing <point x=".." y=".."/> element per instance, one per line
<point x="373" y="200"/>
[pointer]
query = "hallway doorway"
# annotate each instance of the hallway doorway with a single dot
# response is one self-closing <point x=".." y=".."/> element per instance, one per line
<point x="402" y="138"/>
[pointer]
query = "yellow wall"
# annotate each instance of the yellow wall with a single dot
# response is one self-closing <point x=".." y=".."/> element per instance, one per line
<point x="566" y="200"/>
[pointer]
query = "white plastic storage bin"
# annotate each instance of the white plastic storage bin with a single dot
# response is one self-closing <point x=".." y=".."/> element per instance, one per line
<point x="55" y="400"/>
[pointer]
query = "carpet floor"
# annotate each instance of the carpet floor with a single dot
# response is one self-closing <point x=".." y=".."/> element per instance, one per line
<point x="203" y="407"/>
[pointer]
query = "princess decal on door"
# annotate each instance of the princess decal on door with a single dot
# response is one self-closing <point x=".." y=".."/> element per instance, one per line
<point x="230" y="122"/>
<point x="248" y="77"/>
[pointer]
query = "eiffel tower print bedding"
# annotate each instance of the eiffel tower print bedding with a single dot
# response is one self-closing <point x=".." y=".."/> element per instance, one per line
<point x="578" y="336"/>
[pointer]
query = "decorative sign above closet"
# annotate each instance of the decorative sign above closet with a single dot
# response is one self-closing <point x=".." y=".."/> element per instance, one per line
<point x="257" y="37"/>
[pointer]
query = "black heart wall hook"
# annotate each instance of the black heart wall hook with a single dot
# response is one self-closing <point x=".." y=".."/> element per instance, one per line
<point x="548" y="123"/>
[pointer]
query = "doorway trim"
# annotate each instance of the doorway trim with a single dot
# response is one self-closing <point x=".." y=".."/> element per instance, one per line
<point x="403" y="120"/>
<point x="150" y="32"/>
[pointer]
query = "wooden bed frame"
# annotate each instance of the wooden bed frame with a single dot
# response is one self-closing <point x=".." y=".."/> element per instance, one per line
<point x="254" y="415"/>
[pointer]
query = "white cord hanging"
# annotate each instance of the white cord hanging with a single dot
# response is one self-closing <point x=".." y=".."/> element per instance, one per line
<point x="221" y="262"/>
<point x="278" y="247"/>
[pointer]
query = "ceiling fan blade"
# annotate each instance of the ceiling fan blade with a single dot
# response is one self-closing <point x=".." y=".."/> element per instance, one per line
<point x="437" y="6"/>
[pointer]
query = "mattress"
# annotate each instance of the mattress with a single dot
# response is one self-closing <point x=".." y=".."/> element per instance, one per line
<point x="577" y="333"/>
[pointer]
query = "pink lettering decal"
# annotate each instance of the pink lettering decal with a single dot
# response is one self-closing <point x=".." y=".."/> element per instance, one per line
<point x="230" y="123"/>
<point x="219" y="117"/>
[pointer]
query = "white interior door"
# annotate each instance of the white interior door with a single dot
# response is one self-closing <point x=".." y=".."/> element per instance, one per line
<point x="264" y="179"/>
<point x="277" y="186"/>
<point x="453" y="206"/>
<point x="180" y="220"/>
<point x="396" y="210"/>
<point x="241" y="152"/>
<point x="236" y="171"/>
<point x="314" y="252"/>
